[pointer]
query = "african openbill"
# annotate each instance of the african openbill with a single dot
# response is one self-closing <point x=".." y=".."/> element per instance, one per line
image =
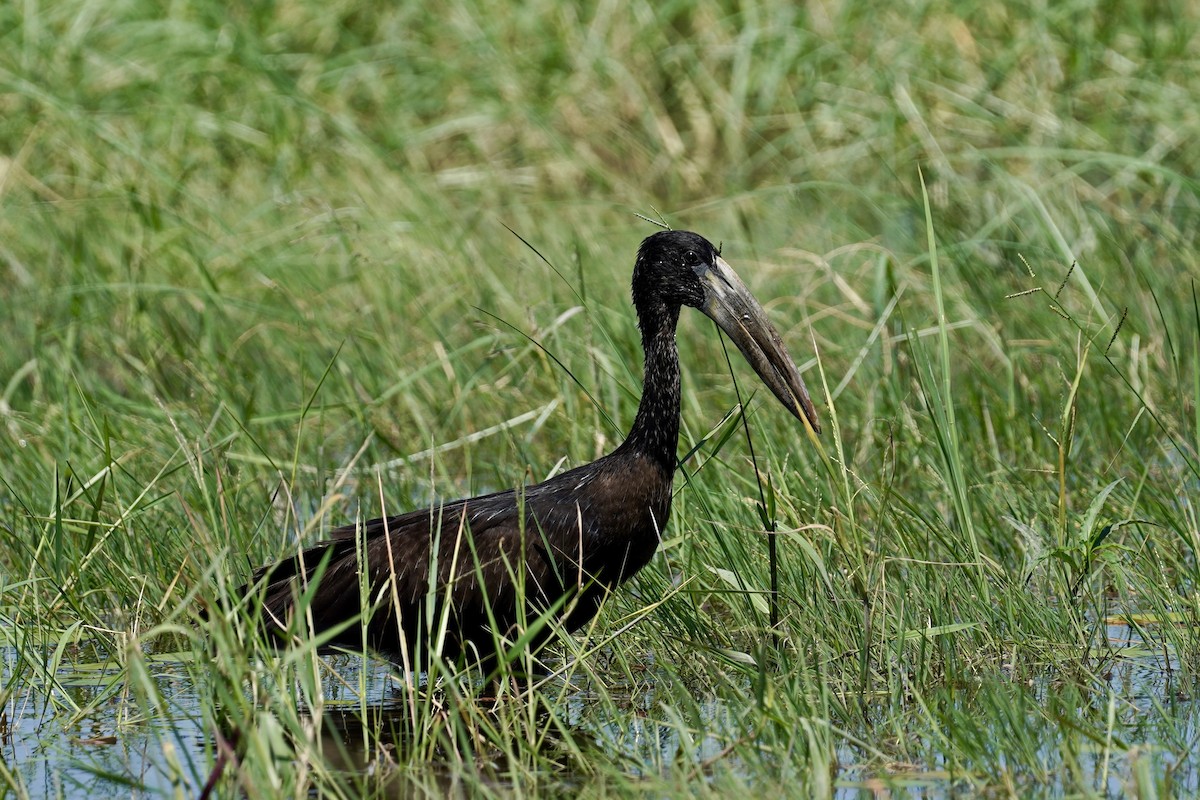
<point x="558" y="546"/>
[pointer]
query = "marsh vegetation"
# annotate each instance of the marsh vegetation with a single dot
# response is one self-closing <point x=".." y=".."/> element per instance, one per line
<point x="256" y="282"/>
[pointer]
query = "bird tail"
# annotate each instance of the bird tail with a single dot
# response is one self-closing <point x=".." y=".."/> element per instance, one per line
<point x="287" y="587"/>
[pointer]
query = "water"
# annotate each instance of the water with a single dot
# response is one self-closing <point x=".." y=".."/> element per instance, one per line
<point x="52" y="750"/>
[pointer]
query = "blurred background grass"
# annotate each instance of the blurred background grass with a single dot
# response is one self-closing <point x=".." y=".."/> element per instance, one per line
<point x="242" y="247"/>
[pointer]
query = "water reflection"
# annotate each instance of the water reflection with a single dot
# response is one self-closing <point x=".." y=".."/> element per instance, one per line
<point x="1129" y="712"/>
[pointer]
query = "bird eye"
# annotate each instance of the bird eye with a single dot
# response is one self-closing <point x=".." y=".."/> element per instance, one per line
<point x="691" y="259"/>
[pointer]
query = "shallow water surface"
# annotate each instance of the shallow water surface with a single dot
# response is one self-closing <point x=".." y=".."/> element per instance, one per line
<point x="80" y="732"/>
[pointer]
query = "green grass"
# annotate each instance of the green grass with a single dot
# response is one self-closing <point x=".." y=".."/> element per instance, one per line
<point x="255" y="282"/>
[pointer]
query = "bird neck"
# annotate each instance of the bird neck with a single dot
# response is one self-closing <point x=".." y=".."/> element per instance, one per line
<point x="655" y="431"/>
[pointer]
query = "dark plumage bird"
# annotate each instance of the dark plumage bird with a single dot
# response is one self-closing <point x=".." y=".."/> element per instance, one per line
<point x="500" y="560"/>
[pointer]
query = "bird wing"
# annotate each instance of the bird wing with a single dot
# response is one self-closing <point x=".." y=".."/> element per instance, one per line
<point x="485" y="558"/>
<point x="474" y="566"/>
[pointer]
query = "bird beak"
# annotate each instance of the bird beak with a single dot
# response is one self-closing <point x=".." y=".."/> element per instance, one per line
<point x="729" y="303"/>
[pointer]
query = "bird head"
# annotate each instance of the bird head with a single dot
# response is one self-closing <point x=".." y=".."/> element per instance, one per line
<point x="681" y="268"/>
